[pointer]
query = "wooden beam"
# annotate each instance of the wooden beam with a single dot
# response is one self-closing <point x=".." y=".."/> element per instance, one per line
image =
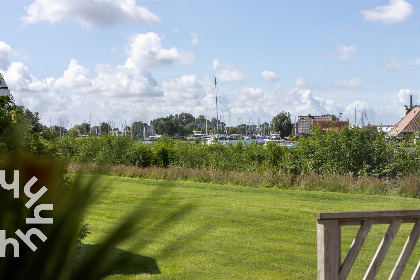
<point x="382" y="250"/>
<point x="409" y="246"/>
<point x="355" y="249"/>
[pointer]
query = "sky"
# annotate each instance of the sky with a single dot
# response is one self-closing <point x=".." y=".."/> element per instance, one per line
<point x="121" y="61"/>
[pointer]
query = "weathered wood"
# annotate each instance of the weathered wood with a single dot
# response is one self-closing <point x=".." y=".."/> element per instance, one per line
<point x="382" y="250"/>
<point x="394" y="214"/>
<point x="329" y="241"/>
<point x="355" y="249"/>
<point x="406" y="252"/>
<point x="328" y="246"/>
<point x="377" y="221"/>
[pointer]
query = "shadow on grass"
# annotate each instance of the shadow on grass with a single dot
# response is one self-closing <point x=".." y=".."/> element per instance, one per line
<point x="131" y="263"/>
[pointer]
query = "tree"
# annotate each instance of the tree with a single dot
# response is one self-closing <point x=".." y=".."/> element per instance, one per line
<point x="189" y="128"/>
<point x="33" y="121"/>
<point x="105" y="128"/>
<point x="75" y="130"/>
<point x="165" y="126"/>
<point x="282" y="124"/>
<point x="185" y="118"/>
<point x="138" y="128"/>
<point x="85" y="128"/>
<point x="409" y="108"/>
<point x="10" y="114"/>
<point x="201" y="119"/>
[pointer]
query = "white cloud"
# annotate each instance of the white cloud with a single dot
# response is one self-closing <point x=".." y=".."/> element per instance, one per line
<point x="307" y="84"/>
<point x="359" y="112"/>
<point x="216" y="63"/>
<point x="269" y="76"/>
<point x="123" y="81"/>
<point x="122" y="92"/>
<point x="345" y="52"/>
<point x="296" y="100"/>
<point x="396" y="11"/>
<point x="391" y="63"/>
<point x="146" y="50"/>
<point x="75" y="77"/>
<point x="228" y="73"/>
<point x="89" y="12"/>
<point x="351" y="84"/>
<point x="5" y="51"/>
<point x="18" y="77"/>
<point x="184" y="94"/>
<point x="251" y="94"/>
<point x="403" y="97"/>
<point x="196" y="38"/>
<point x="395" y="111"/>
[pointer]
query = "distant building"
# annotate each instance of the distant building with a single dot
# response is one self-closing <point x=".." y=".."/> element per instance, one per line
<point x="4" y="90"/>
<point x="332" y="125"/>
<point x="306" y="123"/>
<point x="410" y="123"/>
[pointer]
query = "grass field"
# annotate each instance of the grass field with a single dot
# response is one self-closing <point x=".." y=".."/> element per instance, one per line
<point x="208" y="231"/>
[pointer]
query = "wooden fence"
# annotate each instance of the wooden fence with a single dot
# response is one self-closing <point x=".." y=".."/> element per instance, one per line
<point x="329" y="226"/>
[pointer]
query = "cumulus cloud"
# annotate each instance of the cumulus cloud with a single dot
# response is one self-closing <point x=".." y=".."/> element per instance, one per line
<point x="345" y="52"/>
<point x="294" y="99"/>
<point x="75" y="77"/>
<point x="89" y="12"/>
<point x="146" y="50"/>
<point x="18" y="77"/>
<point x="403" y="97"/>
<point x="396" y="11"/>
<point x="391" y="63"/>
<point x="228" y="73"/>
<point x="269" y="76"/>
<point x="122" y="92"/>
<point x="184" y="94"/>
<point x="5" y="51"/>
<point x="359" y="113"/>
<point x="351" y="84"/>
<point x="395" y="111"/>
<point x="251" y="94"/>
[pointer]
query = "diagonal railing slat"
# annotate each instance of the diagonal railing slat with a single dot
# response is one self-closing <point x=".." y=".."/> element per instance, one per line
<point x="354" y="249"/>
<point x="329" y="241"/>
<point x="382" y="250"/>
<point x="406" y="252"/>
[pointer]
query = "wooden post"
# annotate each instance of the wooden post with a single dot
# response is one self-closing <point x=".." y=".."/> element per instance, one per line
<point x="329" y="241"/>
<point x="329" y="249"/>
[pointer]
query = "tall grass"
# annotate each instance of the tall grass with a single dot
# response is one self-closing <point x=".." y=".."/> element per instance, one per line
<point x="356" y="151"/>
<point x="404" y="186"/>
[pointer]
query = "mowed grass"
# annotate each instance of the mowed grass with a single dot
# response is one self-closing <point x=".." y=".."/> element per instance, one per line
<point x="208" y="231"/>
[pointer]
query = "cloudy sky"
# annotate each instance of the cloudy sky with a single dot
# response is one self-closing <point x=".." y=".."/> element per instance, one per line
<point x="128" y="60"/>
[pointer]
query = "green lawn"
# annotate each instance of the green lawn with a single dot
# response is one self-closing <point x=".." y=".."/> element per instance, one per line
<point x="207" y="231"/>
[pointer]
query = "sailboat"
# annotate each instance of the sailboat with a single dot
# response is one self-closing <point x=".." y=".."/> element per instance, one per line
<point x="4" y="90"/>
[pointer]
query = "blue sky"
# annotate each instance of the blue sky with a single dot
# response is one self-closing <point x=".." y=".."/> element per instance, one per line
<point x="127" y="60"/>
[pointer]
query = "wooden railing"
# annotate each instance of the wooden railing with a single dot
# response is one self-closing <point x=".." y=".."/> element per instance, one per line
<point x="329" y="226"/>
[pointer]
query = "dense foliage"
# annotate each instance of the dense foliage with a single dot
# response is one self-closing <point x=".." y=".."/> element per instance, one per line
<point x="282" y="124"/>
<point x="356" y="151"/>
<point x="353" y="150"/>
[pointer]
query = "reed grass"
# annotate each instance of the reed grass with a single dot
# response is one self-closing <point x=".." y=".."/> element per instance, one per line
<point x="404" y="186"/>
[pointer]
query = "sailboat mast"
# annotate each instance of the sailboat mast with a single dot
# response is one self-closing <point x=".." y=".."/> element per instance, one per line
<point x="217" y="112"/>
